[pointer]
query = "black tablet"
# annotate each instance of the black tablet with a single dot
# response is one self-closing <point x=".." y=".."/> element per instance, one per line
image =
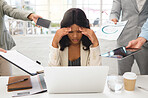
<point x="121" y="52"/>
<point x="43" y="22"/>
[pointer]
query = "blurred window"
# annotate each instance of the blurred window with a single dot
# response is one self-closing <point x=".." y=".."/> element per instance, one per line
<point x="54" y="11"/>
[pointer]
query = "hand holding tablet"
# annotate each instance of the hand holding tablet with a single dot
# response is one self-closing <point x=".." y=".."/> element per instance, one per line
<point x="43" y="22"/>
<point x="121" y="52"/>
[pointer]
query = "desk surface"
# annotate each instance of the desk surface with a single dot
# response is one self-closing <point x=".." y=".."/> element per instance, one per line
<point x="138" y="93"/>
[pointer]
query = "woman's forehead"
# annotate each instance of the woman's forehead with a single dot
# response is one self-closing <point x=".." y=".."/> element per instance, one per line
<point x="75" y="27"/>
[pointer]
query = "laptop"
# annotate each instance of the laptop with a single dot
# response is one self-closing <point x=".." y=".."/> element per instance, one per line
<point x="84" y="79"/>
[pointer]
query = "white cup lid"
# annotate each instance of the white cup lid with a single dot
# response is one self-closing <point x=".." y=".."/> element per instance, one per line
<point x="129" y="75"/>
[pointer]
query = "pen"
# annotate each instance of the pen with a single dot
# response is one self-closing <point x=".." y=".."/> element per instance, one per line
<point x="18" y="81"/>
<point x="142" y="88"/>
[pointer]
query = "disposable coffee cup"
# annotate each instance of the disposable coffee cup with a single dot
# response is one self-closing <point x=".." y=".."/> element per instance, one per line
<point x="129" y="81"/>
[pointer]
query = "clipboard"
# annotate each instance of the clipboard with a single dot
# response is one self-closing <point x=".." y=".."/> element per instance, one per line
<point x="22" y="62"/>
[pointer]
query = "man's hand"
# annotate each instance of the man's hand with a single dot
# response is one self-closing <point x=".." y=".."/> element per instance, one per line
<point x="136" y="43"/>
<point x="114" y="20"/>
<point x="34" y="17"/>
<point x="2" y="50"/>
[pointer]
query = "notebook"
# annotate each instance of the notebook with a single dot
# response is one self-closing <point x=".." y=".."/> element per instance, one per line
<point x="22" y="62"/>
<point x="19" y="85"/>
<point x="83" y="79"/>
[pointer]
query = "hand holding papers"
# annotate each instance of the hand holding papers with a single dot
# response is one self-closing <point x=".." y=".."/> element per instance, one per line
<point x="22" y="62"/>
<point x="111" y="31"/>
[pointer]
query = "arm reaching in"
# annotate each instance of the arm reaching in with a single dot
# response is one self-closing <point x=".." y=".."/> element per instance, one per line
<point x="136" y="43"/>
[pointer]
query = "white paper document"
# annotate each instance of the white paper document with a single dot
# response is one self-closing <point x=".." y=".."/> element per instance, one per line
<point x="22" y="62"/>
<point x="111" y="31"/>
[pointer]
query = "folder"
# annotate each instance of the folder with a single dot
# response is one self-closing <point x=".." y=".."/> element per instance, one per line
<point x="19" y="85"/>
<point x="22" y="62"/>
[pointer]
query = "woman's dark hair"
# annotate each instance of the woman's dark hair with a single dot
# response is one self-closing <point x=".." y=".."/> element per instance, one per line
<point x="78" y="17"/>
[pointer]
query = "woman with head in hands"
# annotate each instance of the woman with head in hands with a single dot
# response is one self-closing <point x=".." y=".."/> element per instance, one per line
<point x="75" y="44"/>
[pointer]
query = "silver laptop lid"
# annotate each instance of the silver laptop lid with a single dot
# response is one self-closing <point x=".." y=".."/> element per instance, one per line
<point x="75" y="79"/>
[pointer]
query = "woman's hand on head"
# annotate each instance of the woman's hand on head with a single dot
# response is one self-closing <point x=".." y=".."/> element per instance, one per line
<point x="91" y="35"/>
<point x="58" y="36"/>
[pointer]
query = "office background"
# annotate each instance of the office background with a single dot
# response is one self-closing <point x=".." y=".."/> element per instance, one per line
<point x="34" y="42"/>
